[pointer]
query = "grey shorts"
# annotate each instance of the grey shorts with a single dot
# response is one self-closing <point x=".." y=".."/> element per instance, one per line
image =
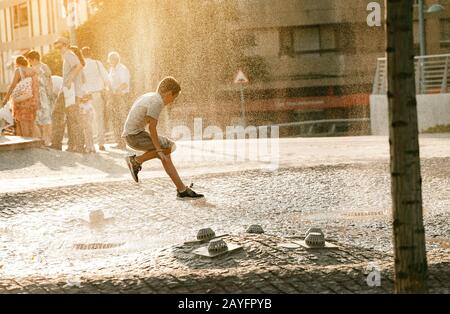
<point x="143" y="142"/>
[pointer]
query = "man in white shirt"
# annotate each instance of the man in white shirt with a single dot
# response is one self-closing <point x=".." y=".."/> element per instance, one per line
<point x="72" y="78"/>
<point x="97" y="81"/>
<point x="57" y="83"/>
<point x="119" y="78"/>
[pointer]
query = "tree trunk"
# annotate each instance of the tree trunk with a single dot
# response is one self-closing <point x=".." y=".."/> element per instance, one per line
<point x="406" y="181"/>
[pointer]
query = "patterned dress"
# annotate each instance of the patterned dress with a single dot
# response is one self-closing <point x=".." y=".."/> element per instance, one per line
<point x="44" y="114"/>
<point x="26" y="110"/>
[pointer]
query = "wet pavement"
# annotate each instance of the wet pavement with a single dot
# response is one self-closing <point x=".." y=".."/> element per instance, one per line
<point x="39" y="168"/>
<point x="48" y="244"/>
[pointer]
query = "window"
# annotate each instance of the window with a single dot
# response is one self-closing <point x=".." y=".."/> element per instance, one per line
<point x="306" y="39"/>
<point x="20" y="15"/>
<point x="285" y="42"/>
<point x="327" y="38"/>
<point x="445" y="31"/>
<point x="299" y="40"/>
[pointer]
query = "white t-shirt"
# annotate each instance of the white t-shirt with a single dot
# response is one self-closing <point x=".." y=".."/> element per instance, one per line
<point x="148" y="105"/>
<point x="119" y="75"/>
<point x="57" y="84"/>
<point x="70" y="60"/>
<point x="95" y="75"/>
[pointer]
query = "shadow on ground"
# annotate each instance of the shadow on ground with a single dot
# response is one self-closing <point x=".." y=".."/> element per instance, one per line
<point x="58" y="160"/>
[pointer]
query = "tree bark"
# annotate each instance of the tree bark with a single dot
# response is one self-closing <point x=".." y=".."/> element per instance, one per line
<point x="406" y="182"/>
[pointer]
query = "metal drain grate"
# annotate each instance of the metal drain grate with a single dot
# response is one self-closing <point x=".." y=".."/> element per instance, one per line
<point x="366" y="214"/>
<point x="96" y="246"/>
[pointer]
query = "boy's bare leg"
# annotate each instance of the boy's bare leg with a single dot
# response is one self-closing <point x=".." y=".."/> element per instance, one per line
<point x="151" y="155"/>
<point x="173" y="173"/>
<point x="146" y="157"/>
<point x="168" y="165"/>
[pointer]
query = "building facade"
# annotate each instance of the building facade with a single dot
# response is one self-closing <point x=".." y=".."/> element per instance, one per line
<point x="33" y="24"/>
<point x="321" y="56"/>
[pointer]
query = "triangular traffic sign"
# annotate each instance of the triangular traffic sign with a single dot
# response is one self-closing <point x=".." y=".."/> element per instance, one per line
<point x="240" y="78"/>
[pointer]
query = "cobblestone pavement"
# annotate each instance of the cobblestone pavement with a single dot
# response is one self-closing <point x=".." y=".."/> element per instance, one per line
<point x="48" y="245"/>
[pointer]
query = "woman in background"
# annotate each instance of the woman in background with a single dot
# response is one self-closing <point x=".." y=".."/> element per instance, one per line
<point x="87" y="121"/>
<point x="44" y="114"/>
<point x="24" y="112"/>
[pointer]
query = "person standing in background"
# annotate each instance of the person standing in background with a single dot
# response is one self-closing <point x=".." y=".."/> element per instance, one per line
<point x="80" y="99"/>
<point x="72" y="69"/>
<point x="44" y="114"/>
<point x="24" y="112"/>
<point x="87" y="123"/>
<point x="97" y="82"/>
<point x="119" y="77"/>
<point x="57" y="83"/>
<point x="58" y="113"/>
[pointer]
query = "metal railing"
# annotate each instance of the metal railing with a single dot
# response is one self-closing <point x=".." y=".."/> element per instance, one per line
<point x="432" y="75"/>
<point x="329" y="127"/>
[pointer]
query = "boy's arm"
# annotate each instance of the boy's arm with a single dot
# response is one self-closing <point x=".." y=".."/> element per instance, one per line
<point x="152" y="123"/>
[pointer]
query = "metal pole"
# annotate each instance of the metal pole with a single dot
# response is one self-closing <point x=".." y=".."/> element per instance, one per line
<point x="422" y="28"/>
<point x="243" y="105"/>
<point x="422" y="44"/>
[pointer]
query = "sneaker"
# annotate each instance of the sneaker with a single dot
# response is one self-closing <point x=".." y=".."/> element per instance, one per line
<point x="134" y="167"/>
<point x="189" y="194"/>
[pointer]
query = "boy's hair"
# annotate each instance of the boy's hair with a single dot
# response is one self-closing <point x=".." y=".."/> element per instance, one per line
<point x="33" y="55"/>
<point x="169" y="84"/>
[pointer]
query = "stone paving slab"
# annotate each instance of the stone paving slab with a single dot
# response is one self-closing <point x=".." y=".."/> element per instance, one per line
<point x="50" y="168"/>
<point x="39" y="231"/>
<point x="285" y="271"/>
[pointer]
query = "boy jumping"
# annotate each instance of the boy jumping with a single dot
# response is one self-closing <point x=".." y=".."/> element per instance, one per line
<point x="146" y="111"/>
